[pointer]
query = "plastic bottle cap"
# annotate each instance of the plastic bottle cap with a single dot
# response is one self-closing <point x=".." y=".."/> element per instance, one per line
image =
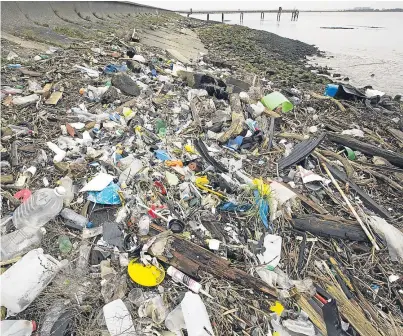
<point x="33" y="325"/>
<point x="60" y="191"/>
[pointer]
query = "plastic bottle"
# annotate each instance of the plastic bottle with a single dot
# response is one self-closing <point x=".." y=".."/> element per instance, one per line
<point x="144" y="225"/>
<point x="14" y="66"/>
<point x="20" y="242"/>
<point x="26" y="279"/>
<point x="75" y="220"/>
<point x="26" y="99"/>
<point x="67" y="183"/>
<point x="118" y="319"/>
<point x="184" y="279"/>
<point x="17" y="327"/>
<point x="44" y="205"/>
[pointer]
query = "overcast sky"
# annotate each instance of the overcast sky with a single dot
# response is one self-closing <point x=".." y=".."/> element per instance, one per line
<point x="228" y="4"/>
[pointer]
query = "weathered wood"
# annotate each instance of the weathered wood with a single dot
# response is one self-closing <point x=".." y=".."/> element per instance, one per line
<point x="326" y="228"/>
<point x="345" y="140"/>
<point x="191" y="259"/>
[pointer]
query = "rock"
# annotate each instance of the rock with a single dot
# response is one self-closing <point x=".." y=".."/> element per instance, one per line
<point x="397" y="98"/>
<point x="134" y="66"/>
<point x="346" y="78"/>
<point x="110" y="95"/>
<point x="270" y="72"/>
<point x="336" y="75"/>
<point x="237" y="85"/>
<point x="125" y="84"/>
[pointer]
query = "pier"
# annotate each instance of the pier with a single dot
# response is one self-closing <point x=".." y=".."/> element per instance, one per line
<point x="240" y="12"/>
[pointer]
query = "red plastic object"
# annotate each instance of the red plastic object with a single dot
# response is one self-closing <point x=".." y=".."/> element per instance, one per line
<point x="23" y="195"/>
<point x="161" y="187"/>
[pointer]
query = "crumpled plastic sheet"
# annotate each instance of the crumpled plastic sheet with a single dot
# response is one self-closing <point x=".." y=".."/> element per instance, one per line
<point x="109" y="195"/>
<point x="232" y="207"/>
<point x="263" y="208"/>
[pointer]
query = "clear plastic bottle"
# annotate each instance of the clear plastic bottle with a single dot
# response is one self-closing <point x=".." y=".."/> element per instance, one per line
<point x="79" y="220"/>
<point x="17" y="327"/>
<point x="40" y="208"/>
<point x="20" y="242"/>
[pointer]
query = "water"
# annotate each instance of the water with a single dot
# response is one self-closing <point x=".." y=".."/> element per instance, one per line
<point x="373" y="46"/>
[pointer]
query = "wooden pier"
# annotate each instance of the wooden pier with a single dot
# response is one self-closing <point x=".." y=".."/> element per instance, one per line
<point x="240" y="12"/>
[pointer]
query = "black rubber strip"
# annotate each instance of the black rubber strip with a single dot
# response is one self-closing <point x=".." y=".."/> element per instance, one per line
<point x="367" y="200"/>
<point x="202" y="149"/>
<point x="300" y="151"/>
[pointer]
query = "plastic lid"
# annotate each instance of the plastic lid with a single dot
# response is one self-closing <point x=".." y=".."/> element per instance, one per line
<point x="34" y="326"/>
<point x="60" y="191"/>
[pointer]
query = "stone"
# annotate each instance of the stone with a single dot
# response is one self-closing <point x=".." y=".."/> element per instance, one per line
<point x="125" y="84"/>
<point x="134" y="66"/>
<point x="178" y="56"/>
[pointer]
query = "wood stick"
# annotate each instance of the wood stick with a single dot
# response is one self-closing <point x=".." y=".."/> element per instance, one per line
<point x="369" y="235"/>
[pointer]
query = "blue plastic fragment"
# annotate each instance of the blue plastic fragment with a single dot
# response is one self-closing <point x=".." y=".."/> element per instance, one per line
<point x="235" y="143"/>
<point x="263" y="208"/>
<point x="114" y="68"/>
<point x="232" y="207"/>
<point x="162" y="155"/>
<point x="109" y="195"/>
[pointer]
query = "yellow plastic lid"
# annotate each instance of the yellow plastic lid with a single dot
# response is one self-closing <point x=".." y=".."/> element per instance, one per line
<point x="148" y="276"/>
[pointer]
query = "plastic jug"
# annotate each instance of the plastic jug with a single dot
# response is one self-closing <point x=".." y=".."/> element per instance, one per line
<point x="17" y="327"/>
<point x="276" y="99"/>
<point x="20" y="242"/>
<point x="44" y="205"/>
<point x="118" y="319"/>
<point x="26" y="279"/>
<point x="195" y="315"/>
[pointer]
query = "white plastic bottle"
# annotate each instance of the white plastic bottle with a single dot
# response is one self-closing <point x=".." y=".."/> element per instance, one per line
<point x="118" y="319"/>
<point x="44" y="205"/>
<point x="20" y="242"/>
<point x="17" y="327"/>
<point x="26" y="279"/>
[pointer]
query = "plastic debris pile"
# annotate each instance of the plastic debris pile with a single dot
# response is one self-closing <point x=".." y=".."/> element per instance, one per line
<point x="143" y="196"/>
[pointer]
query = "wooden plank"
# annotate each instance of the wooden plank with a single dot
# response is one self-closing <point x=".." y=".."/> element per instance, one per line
<point x="191" y="258"/>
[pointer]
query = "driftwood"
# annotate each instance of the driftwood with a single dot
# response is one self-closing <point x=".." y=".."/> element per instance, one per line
<point x="191" y="258"/>
<point x="392" y="157"/>
<point x="329" y="228"/>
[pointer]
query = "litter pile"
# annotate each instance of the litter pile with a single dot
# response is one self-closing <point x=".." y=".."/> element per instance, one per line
<point x="144" y="196"/>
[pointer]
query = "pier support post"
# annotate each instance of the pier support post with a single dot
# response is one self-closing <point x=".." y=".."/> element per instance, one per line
<point x="262" y="15"/>
<point x="222" y="17"/>
<point x="241" y="17"/>
<point x="208" y="17"/>
<point x="188" y="14"/>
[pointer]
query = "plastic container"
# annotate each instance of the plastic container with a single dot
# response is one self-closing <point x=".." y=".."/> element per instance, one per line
<point x="76" y="220"/>
<point x="184" y="279"/>
<point x="17" y="327"/>
<point x="331" y="90"/>
<point x="26" y="176"/>
<point x="276" y="99"/>
<point x="175" y="320"/>
<point x="44" y="205"/>
<point x="67" y="183"/>
<point x="26" y="279"/>
<point x="20" y="242"/>
<point x="118" y="319"/>
<point x="144" y="225"/>
<point x="195" y="315"/>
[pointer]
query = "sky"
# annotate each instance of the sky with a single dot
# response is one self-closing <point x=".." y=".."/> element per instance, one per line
<point x="235" y="5"/>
